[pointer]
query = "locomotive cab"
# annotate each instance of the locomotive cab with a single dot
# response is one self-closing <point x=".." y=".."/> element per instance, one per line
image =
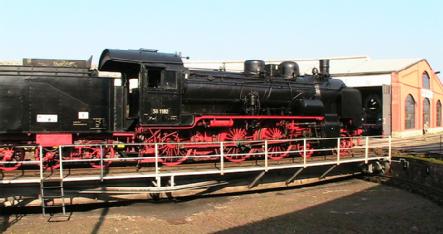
<point x="160" y="95"/>
<point x="150" y="86"/>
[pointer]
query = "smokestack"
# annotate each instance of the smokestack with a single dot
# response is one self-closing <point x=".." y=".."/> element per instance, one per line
<point x="324" y="67"/>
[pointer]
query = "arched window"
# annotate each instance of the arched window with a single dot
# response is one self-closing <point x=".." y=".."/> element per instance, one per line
<point x="438" y="113"/>
<point x="410" y="112"/>
<point x="426" y="81"/>
<point x="426" y="113"/>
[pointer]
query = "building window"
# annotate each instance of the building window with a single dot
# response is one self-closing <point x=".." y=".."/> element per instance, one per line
<point x="410" y="112"/>
<point x="426" y="81"/>
<point x="438" y="113"/>
<point x="426" y="113"/>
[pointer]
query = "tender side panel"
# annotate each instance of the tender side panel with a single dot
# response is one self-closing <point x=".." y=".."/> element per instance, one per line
<point x="13" y="107"/>
<point x="70" y="104"/>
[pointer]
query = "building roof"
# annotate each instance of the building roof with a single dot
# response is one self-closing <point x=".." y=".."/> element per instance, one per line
<point x="11" y="62"/>
<point x="369" y="66"/>
<point x="339" y="66"/>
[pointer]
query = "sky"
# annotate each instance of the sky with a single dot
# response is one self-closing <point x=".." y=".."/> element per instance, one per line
<point x="223" y="30"/>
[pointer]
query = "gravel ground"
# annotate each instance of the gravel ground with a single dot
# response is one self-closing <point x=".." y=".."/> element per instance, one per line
<point x="352" y="206"/>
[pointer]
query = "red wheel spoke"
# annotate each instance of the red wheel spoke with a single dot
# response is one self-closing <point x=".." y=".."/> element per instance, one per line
<point x="13" y="157"/>
<point x="94" y="152"/>
<point x="346" y="145"/>
<point x="309" y="150"/>
<point x="276" y="149"/>
<point x="277" y="152"/>
<point x="51" y="160"/>
<point x="171" y="154"/>
<point x="231" y="156"/>
<point x="236" y="134"/>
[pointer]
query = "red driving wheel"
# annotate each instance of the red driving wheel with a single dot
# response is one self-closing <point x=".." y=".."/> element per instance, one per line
<point x="345" y="145"/>
<point x="309" y="150"/>
<point x="51" y="158"/>
<point x="171" y="153"/>
<point x="94" y="152"/>
<point x="231" y="152"/>
<point x="12" y="157"/>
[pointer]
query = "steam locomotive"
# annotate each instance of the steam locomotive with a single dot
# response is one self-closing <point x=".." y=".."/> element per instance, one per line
<point x="160" y="101"/>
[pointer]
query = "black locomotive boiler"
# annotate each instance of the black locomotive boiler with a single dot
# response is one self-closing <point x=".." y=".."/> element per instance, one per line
<point x="161" y="101"/>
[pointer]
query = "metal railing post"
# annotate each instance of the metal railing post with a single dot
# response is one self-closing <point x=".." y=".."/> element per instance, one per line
<point x="172" y="182"/>
<point x="159" y="181"/>
<point x="60" y="158"/>
<point x="266" y="155"/>
<point x="390" y="149"/>
<point x="338" y="150"/>
<point x="304" y="152"/>
<point x="42" y="200"/>
<point x="41" y="161"/>
<point x="156" y="159"/>
<point x="222" y="161"/>
<point x="366" y="149"/>
<point x="62" y="193"/>
<point x="101" y="163"/>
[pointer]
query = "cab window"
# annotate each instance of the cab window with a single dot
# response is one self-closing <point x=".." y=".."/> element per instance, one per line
<point x="169" y="80"/>
<point x="161" y="79"/>
<point x="154" y="78"/>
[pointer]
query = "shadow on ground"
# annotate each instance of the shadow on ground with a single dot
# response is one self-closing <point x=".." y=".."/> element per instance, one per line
<point x="376" y="210"/>
<point x="322" y="209"/>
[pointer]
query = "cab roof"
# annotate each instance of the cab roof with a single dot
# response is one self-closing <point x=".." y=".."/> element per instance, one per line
<point x="120" y="60"/>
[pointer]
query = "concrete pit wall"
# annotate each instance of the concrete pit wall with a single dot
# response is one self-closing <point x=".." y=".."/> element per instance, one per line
<point x="420" y="176"/>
